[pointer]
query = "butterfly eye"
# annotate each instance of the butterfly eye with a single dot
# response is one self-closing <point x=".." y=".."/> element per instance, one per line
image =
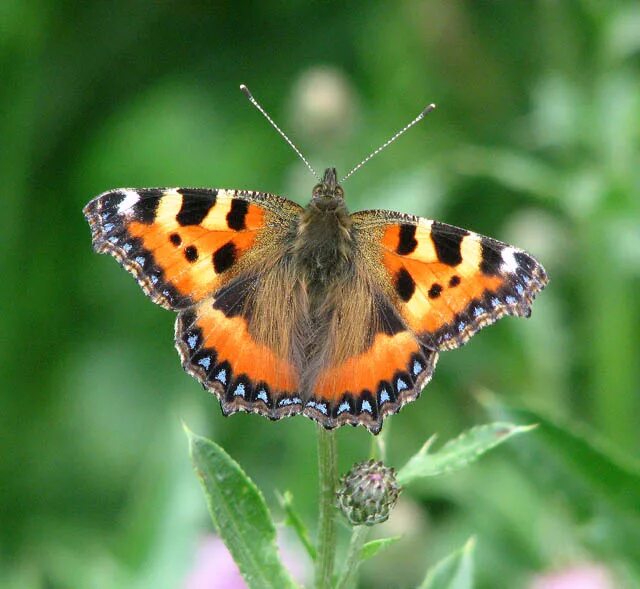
<point x="317" y="190"/>
<point x="339" y="192"/>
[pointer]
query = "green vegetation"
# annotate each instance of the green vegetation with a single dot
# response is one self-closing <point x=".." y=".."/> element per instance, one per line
<point x="535" y="141"/>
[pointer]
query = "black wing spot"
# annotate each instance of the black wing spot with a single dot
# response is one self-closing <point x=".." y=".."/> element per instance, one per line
<point x="175" y="239"/>
<point x="146" y="208"/>
<point x="109" y="201"/>
<point x="237" y="213"/>
<point x="407" y="241"/>
<point x="191" y="253"/>
<point x="195" y="206"/>
<point x="447" y="240"/>
<point x="526" y="262"/>
<point x="224" y="257"/>
<point x="434" y="291"/>
<point x="405" y="285"/>
<point x="454" y="281"/>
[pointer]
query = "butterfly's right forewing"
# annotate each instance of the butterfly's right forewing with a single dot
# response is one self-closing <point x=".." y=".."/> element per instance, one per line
<point x="446" y="282"/>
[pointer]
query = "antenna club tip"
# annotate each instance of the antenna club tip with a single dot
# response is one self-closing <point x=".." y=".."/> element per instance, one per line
<point x="428" y="109"/>
<point x="245" y="90"/>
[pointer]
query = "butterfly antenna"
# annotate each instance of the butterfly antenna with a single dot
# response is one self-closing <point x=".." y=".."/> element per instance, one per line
<point x="402" y="131"/>
<point x="255" y="103"/>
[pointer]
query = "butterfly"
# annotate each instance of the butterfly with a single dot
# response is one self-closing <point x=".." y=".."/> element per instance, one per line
<point x="286" y="310"/>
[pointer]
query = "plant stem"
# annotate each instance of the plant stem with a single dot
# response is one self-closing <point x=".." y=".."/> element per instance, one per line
<point x="327" y="476"/>
<point x="378" y="449"/>
<point x="352" y="562"/>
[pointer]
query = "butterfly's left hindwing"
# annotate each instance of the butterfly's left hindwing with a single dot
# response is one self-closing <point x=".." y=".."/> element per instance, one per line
<point x="446" y="282"/>
<point x="217" y="348"/>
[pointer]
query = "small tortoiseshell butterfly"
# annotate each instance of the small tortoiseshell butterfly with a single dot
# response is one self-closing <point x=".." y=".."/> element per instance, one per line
<point x="285" y="310"/>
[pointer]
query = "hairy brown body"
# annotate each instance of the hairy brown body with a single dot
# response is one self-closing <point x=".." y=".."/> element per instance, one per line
<point x="312" y="321"/>
<point x="332" y="295"/>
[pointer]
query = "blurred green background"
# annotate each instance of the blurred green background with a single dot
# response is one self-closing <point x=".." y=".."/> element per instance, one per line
<point x="536" y="141"/>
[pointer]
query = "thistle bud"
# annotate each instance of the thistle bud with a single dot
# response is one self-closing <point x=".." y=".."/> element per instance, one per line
<point x="368" y="493"/>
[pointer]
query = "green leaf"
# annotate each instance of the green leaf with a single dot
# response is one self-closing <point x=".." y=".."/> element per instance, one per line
<point x="453" y="572"/>
<point x="295" y="521"/>
<point x="240" y="515"/>
<point x="459" y="452"/>
<point x="517" y="171"/>
<point x="596" y="481"/>
<point x="372" y="548"/>
<point x="585" y="456"/>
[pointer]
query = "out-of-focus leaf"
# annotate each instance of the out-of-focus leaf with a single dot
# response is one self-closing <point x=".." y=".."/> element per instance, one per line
<point x="583" y="456"/>
<point x="621" y="39"/>
<point x="240" y="515"/>
<point x="372" y="548"/>
<point x="598" y="484"/>
<point x="459" y="452"/>
<point x="294" y="520"/>
<point x="453" y="572"/>
<point x="517" y="171"/>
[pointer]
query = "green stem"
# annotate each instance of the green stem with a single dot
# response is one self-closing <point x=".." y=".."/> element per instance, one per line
<point x="327" y="475"/>
<point x="352" y="562"/>
<point x="378" y="449"/>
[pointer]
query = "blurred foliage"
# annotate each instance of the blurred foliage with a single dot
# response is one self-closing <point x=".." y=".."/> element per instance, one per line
<point x="536" y="141"/>
<point x="453" y="572"/>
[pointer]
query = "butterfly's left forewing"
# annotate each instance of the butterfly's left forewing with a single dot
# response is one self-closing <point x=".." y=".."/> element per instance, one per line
<point x="182" y="244"/>
<point x="446" y="282"/>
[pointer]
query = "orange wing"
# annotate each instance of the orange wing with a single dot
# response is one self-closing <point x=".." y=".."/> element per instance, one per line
<point x="447" y="282"/>
<point x="217" y="348"/>
<point x="199" y="251"/>
<point x="182" y="244"/>
<point x="378" y="382"/>
<point x="435" y="285"/>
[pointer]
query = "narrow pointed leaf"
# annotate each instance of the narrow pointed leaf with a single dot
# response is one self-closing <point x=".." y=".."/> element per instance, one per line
<point x="240" y="515"/>
<point x="459" y="452"/>
<point x="453" y="572"/>
<point x="372" y="548"/>
<point x="295" y="521"/>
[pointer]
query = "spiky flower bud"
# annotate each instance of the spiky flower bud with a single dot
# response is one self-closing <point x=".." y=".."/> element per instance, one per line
<point x="368" y="493"/>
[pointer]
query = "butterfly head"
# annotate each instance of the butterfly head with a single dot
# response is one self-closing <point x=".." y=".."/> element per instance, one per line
<point x="328" y="194"/>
